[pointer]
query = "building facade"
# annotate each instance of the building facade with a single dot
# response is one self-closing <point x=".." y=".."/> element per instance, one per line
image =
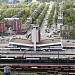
<point x="17" y="25"/>
<point x="2" y="27"/>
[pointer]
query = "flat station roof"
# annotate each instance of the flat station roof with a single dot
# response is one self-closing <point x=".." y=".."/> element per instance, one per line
<point x="26" y="41"/>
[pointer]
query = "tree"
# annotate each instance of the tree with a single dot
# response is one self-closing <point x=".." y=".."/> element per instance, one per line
<point x="72" y="34"/>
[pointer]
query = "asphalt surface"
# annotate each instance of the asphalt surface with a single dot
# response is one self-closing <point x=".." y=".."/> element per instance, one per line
<point x="43" y="26"/>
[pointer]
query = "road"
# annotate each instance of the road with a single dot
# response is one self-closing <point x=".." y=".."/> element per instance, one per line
<point x="43" y="26"/>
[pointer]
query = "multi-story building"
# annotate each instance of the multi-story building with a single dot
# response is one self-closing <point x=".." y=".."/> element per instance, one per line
<point x="9" y="23"/>
<point x="14" y="23"/>
<point x="17" y="25"/>
<point x="2" y="27"/>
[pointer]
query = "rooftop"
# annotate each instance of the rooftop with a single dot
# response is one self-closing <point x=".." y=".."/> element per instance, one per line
<point x="66" y="42"/>
<point x="26" y="41"/>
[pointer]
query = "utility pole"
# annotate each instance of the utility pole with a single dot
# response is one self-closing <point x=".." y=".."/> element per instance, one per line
<point x="23" y="56"/>
<point x="58" y="59"/>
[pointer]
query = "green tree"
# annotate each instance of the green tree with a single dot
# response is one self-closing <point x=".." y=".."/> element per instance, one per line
<point x="50" y="17"/>
<point x="72" y="34"/>
<point x="68" y="13"/>
<point x="5" y="5"/>
<point x="42" y="15"/>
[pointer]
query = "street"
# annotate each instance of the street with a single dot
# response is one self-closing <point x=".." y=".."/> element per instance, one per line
<point x="43" y="26"/>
